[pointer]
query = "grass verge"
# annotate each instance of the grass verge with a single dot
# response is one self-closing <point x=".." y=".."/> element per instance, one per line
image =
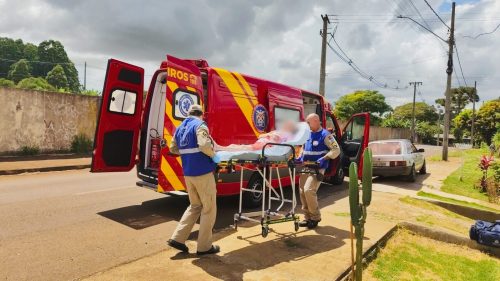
<point x="456" y="202"/>
<point x="451" y="153"/>
<point x="410" y="257"/>
<point x="462" y="181"/>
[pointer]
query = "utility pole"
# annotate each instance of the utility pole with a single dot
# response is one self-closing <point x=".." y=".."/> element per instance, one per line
<point x="85" y="76"/>
<point x="413" y="109"/>
<point x="322" y="72"/>
<point x="449" y="71"/>
<point x="473" y="113"/>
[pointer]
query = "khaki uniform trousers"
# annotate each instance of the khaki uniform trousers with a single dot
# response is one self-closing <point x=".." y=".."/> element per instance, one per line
<point x="308" y="187"/>
<point x="202" y="197"/>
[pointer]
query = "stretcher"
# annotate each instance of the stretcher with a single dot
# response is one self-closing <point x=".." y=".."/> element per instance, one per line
<point x="272" y="158"/>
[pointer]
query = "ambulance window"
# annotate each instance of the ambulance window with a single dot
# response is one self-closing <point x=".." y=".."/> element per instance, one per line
<point x="282" y="114"/>
<point x="122" y="102"/>
<point x="183" y="100"/>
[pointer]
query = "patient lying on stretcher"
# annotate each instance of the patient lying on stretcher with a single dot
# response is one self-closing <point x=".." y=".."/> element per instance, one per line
<point x="280" y="135"/>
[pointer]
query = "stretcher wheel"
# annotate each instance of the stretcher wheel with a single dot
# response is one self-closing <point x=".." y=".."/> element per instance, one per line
<point x="265" y="231"/>
<point x="296" y="224"/>
<point x="235" y="224"/>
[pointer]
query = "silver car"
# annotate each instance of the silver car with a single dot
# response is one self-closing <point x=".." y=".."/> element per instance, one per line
<point x="397" y="157"/>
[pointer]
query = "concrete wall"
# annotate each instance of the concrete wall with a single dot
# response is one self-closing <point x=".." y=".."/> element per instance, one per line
<point x="381" y="133"/>
<point x="44" y="119"/>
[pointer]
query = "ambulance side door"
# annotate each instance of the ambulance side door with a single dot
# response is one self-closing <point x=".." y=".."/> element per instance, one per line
<point x="354" y="140"/>
<point x="119" y="120"/>
<point x="184" y="88"/>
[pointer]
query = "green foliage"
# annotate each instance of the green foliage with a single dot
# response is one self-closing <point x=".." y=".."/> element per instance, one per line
<point x="462" y="124"/>
<point x="423" y="112"/>
<point x="33" y="83"/>
<point x="94" y="93"/>
<point x="488" y="120"/>
<point x="6" y="83"/>
<point x="81" y="144"/>
<point x="426" y="131"/>
<point x="495" y="139"/>
<point x="57" y="78"/>
<point x="366" y="182"/>
<point x="391" y="122"/>
<point x="19" y="70"/>
<point x="28" y="150"/>
<point x="49" y="52"/>
<point x="362" y="101"/>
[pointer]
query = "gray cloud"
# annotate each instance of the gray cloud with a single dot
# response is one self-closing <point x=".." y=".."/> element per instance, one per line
<point x="277" y="40"/>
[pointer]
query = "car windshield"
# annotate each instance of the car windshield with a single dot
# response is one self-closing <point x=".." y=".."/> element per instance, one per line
<point x="385" y="148"/>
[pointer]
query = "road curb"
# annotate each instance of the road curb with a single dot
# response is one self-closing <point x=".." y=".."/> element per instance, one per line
<point x="43" y="169"/>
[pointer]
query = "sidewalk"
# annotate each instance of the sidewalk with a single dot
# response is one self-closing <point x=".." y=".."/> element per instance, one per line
<point x="18" y="167"/>
<point x="320" y="254"/>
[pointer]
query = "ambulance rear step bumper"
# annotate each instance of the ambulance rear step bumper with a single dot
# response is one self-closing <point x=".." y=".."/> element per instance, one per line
<point x="153" y="187"/>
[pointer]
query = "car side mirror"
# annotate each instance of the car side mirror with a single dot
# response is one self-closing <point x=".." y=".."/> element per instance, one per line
<point x="420" y="150"/>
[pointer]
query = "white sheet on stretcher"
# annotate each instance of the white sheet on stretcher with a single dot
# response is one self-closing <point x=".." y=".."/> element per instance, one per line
<point x="273" y="153"/>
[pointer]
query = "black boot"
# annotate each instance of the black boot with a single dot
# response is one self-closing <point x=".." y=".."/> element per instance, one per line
<point x="313" y="224"/>
<point x="304" y="223"/>
<point x="179" y="246"/>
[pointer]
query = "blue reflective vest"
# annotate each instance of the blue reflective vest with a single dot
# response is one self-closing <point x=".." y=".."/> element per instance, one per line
<point x="194" y="162"/>
<point x="315" y="147"/>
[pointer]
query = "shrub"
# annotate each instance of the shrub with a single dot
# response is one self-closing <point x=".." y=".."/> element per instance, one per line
<point x="33" y="83"/>
<point x="81" y="144"/>
<point x="6" y="83"/>
<point x="28" y="150"/>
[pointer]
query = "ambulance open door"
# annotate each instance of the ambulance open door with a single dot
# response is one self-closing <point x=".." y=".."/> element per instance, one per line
<point x="354" y="140"/>
<point x="119" y="120"/>
<point x="184" y="88"/>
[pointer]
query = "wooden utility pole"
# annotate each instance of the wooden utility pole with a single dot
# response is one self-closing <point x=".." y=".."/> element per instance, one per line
<point x="413" y="109"/>
<point x="449" y="71"/>
<point x="474" y="94"/>
<point x="322" y="71"/>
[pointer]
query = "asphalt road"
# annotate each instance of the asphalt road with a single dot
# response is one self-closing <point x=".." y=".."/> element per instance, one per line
<point x="67" y="225"/>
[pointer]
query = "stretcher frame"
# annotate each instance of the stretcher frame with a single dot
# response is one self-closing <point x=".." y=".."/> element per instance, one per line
<point x="264" y="165"/>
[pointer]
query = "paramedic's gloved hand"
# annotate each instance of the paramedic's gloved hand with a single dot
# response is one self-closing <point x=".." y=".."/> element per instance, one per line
<point x="300" y="159"/>
<point x="216" y="159"/>
<point x="323" y="162"/>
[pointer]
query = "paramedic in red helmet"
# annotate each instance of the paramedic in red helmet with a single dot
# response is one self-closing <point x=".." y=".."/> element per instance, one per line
<point x="194" y="144"/>
<point x="320" y="147"/>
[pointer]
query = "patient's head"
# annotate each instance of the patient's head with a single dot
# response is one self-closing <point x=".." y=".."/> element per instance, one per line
<point x="289" y="127"/>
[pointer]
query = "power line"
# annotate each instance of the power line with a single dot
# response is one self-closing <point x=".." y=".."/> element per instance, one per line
<point x="430" y="7"/>
<point x="405" y="17"/>
<point x="460" y="64"/>
<point x="481" y="34"/>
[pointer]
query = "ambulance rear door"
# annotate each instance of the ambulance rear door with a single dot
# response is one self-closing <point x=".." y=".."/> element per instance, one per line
<point x="184" y="88"/>
<point x="354" y="140"/>
<point x="119" y="120"/>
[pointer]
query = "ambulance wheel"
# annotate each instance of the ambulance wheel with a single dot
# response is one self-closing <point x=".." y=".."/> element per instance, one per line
<point x="338" y="179"/>
<point x="251" y="199"/>
<point x="265" y="231"/>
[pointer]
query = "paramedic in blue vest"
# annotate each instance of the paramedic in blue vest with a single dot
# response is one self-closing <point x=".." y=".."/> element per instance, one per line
<point x="321" y="147"/>
<point x="194" y="144"/>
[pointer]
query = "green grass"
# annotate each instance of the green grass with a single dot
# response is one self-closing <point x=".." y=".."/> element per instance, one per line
<point x="456" y="202"/>
<point x="462" y="181"/>
<point x="451" y="153"/>
<point x="410" y="257"/>
<point x="429" y="206"/>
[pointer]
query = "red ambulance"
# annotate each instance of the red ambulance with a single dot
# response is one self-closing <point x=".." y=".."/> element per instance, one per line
<point x="238" y="108"/>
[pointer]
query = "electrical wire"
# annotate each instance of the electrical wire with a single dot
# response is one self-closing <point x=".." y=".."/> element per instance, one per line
<point x="430" y="7"/>
<point x="481" y="34"/>
<point x="460" y="64"/>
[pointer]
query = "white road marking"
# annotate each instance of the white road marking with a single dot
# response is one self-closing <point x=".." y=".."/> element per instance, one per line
<point x="101" y="190"/>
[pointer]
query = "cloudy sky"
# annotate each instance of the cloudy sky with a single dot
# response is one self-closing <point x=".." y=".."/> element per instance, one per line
<point x="277" y="40"/>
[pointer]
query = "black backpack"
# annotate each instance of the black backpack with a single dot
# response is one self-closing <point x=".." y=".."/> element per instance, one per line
<point x="486" y="233"/>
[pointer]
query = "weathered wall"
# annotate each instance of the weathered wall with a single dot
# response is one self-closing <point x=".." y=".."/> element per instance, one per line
<point x="44" y="119"/>
<point x="382" y="133"/>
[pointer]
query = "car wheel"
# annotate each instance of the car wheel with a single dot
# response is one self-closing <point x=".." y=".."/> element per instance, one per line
<point x="251" y="199"/>
<point x="413" y="174"/>
<point x="338" y="179"/>
<point x="423" y="170"/>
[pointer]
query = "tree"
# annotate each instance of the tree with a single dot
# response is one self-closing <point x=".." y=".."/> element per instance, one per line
<point x="35" y="83"/>
<point x="391" y="122"/>
<point x="426" y="131"/>
<point x="53" y="52"/>
<point x="6" y="83"/>
<point x="460" y="97"/>
<point x="19" y="71"/>
<point x="462" y="124"/>
<point x="11" y="51"/>
<point x="423" y="112"/>
<point x="362" y="101"/>
<point x="57" y="78"/>
<point x="488" y="120"/>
